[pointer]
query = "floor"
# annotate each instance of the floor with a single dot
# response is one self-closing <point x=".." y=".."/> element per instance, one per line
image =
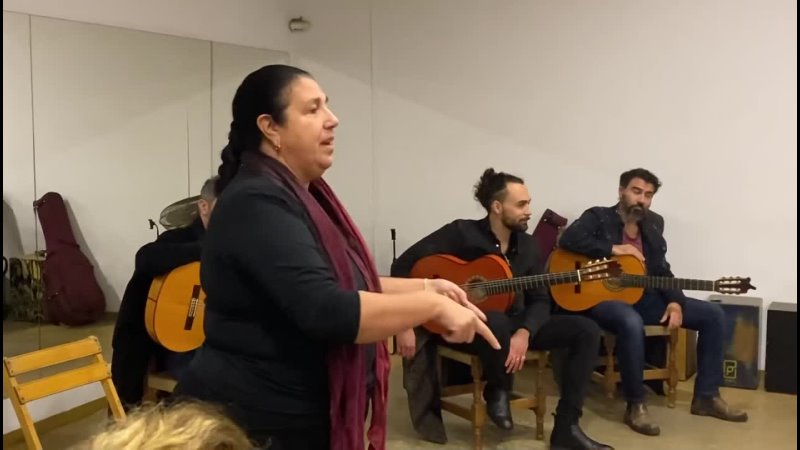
<point x="772" y="425"/>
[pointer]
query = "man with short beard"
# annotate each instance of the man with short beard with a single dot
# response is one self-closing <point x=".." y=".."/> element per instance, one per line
<point x="527" y="325"/>
<point x="630" y="228"/>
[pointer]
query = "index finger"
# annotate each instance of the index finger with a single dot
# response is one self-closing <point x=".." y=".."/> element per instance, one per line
<point x="461" y="295"/>
<point x="487" y="334"/>
<point x="469" y="305"/>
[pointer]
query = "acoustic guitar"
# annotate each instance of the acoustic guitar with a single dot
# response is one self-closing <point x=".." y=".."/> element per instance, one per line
<point x="490" y="285"/>
<point x="630" y="285"/>
<point x="175" y="308"/>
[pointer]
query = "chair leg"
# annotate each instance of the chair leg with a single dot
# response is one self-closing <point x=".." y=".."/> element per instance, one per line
<point x="541" y="405"/>
<point x="478" y="404"/>
<point x="672" y="367"/>
<point x="610" y="342"/>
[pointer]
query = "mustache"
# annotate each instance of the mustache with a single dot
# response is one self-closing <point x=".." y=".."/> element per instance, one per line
<point x="636" y="209"/>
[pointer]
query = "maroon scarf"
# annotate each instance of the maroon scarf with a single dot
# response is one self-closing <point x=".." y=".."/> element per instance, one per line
<point x="342" y="243"/>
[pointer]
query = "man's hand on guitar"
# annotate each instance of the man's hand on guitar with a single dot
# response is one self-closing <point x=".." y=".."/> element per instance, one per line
<point x="627" y="249"/>
<point x="407" y="343"/>
<point x="517" y="350"/>
<point x="673" y="316"/>
<point x="454" y="292"/>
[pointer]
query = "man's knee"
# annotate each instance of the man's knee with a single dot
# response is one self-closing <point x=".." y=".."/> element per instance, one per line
<point x="710" y="314"/>
<point x="589" y="329"/>
<point x="628" y="322"/>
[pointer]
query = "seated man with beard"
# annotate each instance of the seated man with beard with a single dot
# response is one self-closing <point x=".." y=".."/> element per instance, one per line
<point x="629" y="228"/>
<point x="527" y="325"/>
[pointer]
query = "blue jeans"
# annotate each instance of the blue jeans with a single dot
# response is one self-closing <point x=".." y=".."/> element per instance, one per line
<point x="627" y="323"/>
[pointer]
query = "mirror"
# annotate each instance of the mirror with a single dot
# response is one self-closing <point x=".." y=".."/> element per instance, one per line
<point x="124" y="123"/>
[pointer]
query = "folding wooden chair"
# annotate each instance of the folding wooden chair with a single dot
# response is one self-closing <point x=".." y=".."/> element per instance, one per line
<point x="23" y="392"/>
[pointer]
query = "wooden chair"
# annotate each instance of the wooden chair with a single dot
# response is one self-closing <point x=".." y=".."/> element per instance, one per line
<point x="611" y="376"/>
<point x="157" y="383"/>
<point x="24" y="392"/>
<point x="476" y="413"/>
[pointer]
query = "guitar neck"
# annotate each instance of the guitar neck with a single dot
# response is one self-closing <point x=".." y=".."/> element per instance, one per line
<point x="646" y="281"/>
<point x="527" y="282"/>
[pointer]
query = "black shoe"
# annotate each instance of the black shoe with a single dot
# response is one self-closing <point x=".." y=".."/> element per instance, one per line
<point x="498" y="408"/>
<point x="567" y="435"/>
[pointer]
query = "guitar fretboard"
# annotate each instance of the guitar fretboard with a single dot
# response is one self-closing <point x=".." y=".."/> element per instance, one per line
<point x="522" y="283"/>
<point x="646" y="281"/>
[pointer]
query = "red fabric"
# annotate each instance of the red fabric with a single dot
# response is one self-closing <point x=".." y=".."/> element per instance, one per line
<point x="546" y="232"/>
<point x="637" y="242"/>
<point x="72" y="294"/>
<point x="347" y="382"/>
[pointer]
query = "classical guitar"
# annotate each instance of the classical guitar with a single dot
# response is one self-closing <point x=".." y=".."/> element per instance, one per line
<point x="490" y="285"/>
<point x="628" y="286"/>
<point x="175" y="308"/>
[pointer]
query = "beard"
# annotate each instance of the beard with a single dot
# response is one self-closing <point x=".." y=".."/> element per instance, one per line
<point x="515" y="224"/>
<point x="635" y="211"/>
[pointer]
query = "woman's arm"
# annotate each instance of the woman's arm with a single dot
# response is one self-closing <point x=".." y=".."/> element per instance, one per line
<point x="276" y="250"/>
<point x="392" y="285"/>
<point x="383" y="315"/>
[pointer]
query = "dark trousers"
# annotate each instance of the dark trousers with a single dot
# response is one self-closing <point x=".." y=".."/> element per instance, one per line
<point x="627" y="323"/>
<point x="311" y="438"/>
<point x="268" y="430"/>
<point x="578" y="336"/>
<point x="133" y="351"/>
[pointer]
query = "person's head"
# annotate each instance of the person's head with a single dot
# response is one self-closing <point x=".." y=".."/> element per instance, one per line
<point x="208" y="198"/>
<point x="281" y="111"/>
<point x="636" y="190"/>
<point x="181" y="426"/>
<point x="505" y="198"/>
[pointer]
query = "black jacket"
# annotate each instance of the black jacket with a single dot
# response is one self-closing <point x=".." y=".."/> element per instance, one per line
<point x="600" y="228"/>
<point x="133" y="347"/>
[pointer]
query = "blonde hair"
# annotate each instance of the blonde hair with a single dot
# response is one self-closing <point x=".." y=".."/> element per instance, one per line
<point x="180" y="426"/>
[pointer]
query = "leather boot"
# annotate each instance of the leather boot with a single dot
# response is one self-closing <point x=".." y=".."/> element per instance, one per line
<point x="498" y="408"/>
<point x="637" y="417"/>
<point x="717" y="407"/>
<point x="567" y="435"/>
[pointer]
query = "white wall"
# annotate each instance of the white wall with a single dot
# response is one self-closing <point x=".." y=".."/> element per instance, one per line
<point x="337" y="51"/>
<point x="570" y="94"/>
<point x="19" y="231"/>
<point x="254" y="23"/>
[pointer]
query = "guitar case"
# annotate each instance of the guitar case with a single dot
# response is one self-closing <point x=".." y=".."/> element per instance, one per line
<point x="547" y="231"/>
<point x="72" y="295"/>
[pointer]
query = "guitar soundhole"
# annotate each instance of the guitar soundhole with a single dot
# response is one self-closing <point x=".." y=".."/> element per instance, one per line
<point x="613" y="284"/>
<point x="476" y="295"/>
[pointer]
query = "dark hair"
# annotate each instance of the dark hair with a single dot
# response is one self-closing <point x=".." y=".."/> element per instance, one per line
<point x="646" y="175"/>
<point x="262" y="92"/>
<point x="492" y="186"/>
